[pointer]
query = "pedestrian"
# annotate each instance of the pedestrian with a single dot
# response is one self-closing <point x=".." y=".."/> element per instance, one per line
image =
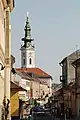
<point x="79" y="115"/>
<point x="67" y="113"/>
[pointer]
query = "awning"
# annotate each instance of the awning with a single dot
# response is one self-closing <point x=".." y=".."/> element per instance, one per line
<point x="17" y="87"/>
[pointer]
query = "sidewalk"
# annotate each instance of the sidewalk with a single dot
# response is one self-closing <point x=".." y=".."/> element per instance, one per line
<point x="57" y="119"/>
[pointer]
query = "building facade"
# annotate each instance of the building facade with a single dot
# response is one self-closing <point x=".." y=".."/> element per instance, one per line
<point x="19" y="90"/>
<point x="76" y="65"/>
<point x="68" y="71"/>
<point x="16" y="97"/>
<point x="6" y="8"/>
<point x="69" y="76"/>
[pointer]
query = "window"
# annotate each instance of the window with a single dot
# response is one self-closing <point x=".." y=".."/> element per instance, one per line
<point x="24" y="55"/>
<point x="30" y="61"/>
<point x="24" y="61"/>
<point x="4" y="23"/>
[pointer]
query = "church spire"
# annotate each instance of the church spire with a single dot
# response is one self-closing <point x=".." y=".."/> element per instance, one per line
<point x="27" y="39"/>
<point x="27" y="28"/>
<point x="28" y="57"/>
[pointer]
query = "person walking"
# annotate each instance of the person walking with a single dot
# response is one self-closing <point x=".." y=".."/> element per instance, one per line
<point x="79" y="115"/>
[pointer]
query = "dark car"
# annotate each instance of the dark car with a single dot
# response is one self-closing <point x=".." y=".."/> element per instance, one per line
<point x="37" y="111"/>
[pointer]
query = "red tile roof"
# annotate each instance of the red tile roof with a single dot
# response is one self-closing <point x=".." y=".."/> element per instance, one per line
<point x="39" y="72"/>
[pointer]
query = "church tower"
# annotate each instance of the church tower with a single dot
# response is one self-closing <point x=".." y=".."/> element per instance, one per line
<point x="27" y="49"/>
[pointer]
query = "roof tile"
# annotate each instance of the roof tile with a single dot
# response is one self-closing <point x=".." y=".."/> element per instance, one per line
<point x="39" y="72"/>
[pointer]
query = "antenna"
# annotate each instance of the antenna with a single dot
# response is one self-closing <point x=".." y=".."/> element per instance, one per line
<point x="76" y="51"/>
<point x="76" y="47"/>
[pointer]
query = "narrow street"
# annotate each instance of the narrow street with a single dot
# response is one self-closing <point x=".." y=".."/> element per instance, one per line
<point x="39" y="60"/>
<point x="48" y="117"/>
<point x="44" y="117"/>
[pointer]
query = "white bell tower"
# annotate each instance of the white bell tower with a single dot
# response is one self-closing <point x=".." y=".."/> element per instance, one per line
<point x="27" y="49"/>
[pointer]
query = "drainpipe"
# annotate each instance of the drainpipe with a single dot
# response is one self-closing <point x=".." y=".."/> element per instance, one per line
<point x="75" y="66"/>
<point x="62" y="80"/>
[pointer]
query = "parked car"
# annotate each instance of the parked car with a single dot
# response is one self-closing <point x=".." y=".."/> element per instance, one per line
<point x="37" y="110"/>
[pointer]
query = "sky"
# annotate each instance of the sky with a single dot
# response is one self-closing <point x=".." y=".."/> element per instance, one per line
<point x="55" y="28"/>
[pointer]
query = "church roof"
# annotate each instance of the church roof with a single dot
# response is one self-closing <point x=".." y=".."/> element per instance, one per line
<point x="39" y="72"/>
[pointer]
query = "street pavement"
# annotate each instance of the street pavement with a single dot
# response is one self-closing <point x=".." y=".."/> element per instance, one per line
<point x="46" y="117"/>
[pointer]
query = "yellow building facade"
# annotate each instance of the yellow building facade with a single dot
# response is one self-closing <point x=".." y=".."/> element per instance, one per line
<point x="14" y="103"/>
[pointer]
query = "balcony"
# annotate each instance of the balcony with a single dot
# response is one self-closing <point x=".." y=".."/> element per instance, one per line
<point x="61" y="78"/>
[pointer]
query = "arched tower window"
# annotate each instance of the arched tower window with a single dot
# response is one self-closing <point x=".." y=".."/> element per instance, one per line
<point x="24" y="61"/>
<point x="30" y="61"/>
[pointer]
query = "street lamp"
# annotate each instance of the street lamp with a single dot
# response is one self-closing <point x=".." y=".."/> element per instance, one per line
<point x="1" y="67"/>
